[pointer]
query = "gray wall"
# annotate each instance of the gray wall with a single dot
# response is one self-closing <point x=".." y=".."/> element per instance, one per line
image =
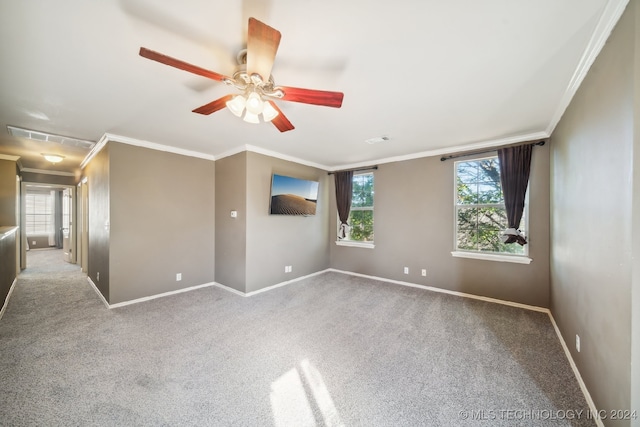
<point x="97" y="173"/>
<point x="162" y="215"/>
<point x="8" y="192"/>
<point x="252" y="249"/>
<point x="231" y="233"/>
<point x="8" y="245"/>
<point x="591" y="232"/>
<point x="414" y="226"/>
<point x="274" y="241"/>
<point x="8" y="267"/>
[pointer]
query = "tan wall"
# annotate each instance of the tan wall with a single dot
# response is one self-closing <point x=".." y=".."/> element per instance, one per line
<point x="38" y="241"/>
<point x="274" y="241"/>
<point x="414" y="226"/>
<point x="97" y="173"/>
<point x="8" y="192"/>
<point x="231" y="233"/>
<point x="162" y="215"/>
<point x="591" y="232"/>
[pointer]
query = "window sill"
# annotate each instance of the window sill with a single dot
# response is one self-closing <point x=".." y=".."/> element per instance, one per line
<point x="354" y="244"/>
<point x="519" y="259"/>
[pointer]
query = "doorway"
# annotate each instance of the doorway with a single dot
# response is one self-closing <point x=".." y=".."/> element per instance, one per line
<point x="48" y="217"/>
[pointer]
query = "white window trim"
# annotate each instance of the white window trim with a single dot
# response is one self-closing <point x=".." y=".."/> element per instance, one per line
<point x="518" y="259"/>
<point x="358" y="243"/>
<point x="488" y="256"/>
<point x="355" y="244"/>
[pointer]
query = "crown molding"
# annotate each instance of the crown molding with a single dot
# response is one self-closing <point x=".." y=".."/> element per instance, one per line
<point x="159" y="147"/>
<point x="47" y="172"/>
<point x="429" y="153"/>
<point x="611" y="14"/>
<point x="109" y="137"/>
<point x="270" y="153"/>
<point x="452" y="150"/>
<point x="95" y="150"/>
<point x="275" y="154"/>
<point x="255" y="149"/>
<point x="232" y="152"/>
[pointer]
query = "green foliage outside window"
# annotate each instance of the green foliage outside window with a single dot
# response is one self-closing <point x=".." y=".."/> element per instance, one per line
<point x="480" y="211"/>
<point x="361" y="215"/>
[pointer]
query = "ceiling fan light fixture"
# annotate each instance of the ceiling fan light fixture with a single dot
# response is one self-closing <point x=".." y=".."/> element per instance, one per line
<point x="53" y="158"/>
<point x="254" y="80"/>
<point x="236" y="105"/>
<point x="249" y="117"/>
<point x="254" y="103"/>
<point x="268" y="112"/>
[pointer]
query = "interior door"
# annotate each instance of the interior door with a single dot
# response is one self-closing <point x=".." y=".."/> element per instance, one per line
<point x="67" y="201"/>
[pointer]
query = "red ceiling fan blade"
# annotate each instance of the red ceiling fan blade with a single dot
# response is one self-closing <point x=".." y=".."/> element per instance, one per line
<point x="262" y="45"/>
<point x="310" y="96"/>
<point x="167" y="60"/>
<point x="280" y="121"/>
<point x="214" y="106"/>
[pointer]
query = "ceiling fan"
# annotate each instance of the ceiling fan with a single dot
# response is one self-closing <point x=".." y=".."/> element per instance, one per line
<point x="253" y="78"/>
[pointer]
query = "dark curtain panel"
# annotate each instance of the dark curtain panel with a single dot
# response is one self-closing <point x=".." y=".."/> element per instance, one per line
<point x="344" y="187"/>
<point x="515" y="165"/>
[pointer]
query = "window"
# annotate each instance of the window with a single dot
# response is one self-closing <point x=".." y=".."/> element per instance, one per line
<point x="39" y="214"/>
<point x="479" y="208"/>
<point x="361" y="213"/>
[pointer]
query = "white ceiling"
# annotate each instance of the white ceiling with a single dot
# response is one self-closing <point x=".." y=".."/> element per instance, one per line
<point x="434" y="76"/>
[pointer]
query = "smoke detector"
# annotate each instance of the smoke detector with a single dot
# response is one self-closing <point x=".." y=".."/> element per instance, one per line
<point x="377" y="140"/>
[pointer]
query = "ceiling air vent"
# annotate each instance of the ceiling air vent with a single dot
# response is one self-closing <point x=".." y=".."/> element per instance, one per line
<point x="377" y="140"/>
<point x="47" y="137"/>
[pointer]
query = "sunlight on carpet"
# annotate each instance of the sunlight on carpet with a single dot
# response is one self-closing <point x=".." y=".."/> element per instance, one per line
<point x="291" y="403"/>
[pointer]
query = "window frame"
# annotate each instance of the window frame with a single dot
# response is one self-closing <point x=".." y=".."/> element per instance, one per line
<point x="33" y="224"/>
<point x="359" y="243"/>
<point x="486" y="255"/>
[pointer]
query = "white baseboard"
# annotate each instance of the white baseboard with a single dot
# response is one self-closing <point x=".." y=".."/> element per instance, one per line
<point x="445" y="291"/>
<point x="229" y="289"/>
<point x="288" y="282"/>
<point x="205" y="285"/>
<point x="576" y="372"/>
<point x="95" y="288"/>
<point x="268" y="288"/>
<point x="567" y="353"/>
<point x="6" y="301"/>
<point x="574" y="367"/>
<point x="143" y="299"/>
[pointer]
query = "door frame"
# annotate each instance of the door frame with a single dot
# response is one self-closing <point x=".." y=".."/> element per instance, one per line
<point x="23" y="219"/>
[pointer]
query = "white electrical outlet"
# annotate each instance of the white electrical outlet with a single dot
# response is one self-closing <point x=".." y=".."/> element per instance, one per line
<point x="406" y="270"/>
<point x="178" y="277"/>
<point x="288" y="269"/>
<point x="578" y="343"/>
<point x="234" y="214"/>
<point x="424" y="272"/>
